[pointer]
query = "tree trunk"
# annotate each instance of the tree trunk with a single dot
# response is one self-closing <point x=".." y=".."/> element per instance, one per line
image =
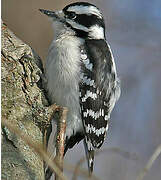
<point x="23" y="105"/>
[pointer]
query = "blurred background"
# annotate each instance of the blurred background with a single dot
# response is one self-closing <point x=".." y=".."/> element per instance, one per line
<point x="133" y="29"/>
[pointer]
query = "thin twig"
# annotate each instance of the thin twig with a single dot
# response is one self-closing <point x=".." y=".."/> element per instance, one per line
<point x="155" y="155"/>
<point x="80" y="172"/>
<point x="38" y="148"/>
<point x="61" y="129"/>
<point x="112" y="149"/>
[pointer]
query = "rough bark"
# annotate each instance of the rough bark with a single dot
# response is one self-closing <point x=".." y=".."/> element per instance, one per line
<point x="23" y="105"/>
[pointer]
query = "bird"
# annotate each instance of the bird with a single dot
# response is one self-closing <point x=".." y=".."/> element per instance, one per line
<point x="81" y="75"/>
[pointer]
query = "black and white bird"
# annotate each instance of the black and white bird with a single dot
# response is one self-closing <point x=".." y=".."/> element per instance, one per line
<point x="81" y="74"/>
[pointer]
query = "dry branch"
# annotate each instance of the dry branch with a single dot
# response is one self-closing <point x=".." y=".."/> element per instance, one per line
<point x="150" y="163"/>
<point x="61" y="129"/>
<point x="119" y="151"/>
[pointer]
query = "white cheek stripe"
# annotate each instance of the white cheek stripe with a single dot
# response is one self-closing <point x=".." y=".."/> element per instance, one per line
<point x="77" y="26"/>
<point x="95" y="31"/>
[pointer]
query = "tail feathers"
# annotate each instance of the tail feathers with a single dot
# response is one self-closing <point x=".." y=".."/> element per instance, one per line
<point x="90" y="161"/>
<point x="89" y="150"/>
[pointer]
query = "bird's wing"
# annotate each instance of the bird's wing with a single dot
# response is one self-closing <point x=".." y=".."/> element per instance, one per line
<point x="97" y="93"/>
<point x="96" y="89"/>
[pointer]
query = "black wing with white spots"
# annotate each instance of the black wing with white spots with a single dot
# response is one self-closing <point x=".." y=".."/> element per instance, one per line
<point x="97" y="90"/>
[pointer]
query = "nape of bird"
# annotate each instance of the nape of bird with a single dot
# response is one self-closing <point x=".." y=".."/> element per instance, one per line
<point x="81" y="75"/>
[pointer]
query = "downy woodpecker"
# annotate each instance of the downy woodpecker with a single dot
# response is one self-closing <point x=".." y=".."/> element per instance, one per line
<point x="81" y="74"/>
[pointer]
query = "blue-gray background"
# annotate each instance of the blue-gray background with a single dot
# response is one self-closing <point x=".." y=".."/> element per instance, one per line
<point x="133" y="29"/>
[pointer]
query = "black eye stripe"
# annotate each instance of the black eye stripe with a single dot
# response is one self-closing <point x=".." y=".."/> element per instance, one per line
<point x="89" y="20"/>
<point x="86" y="20"/>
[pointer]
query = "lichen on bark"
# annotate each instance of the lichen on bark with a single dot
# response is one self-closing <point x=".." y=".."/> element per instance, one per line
<point x="23" y="105"/>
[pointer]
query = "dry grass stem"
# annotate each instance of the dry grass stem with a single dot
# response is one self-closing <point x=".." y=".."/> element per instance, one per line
<point x="38" y="148"/>
<point x="80" y="172"/>
<point x="113" y="150"/>
<point x="150" y="163"/>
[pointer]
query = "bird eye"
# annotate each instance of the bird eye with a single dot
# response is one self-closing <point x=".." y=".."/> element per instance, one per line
<point x="71" y="15"/>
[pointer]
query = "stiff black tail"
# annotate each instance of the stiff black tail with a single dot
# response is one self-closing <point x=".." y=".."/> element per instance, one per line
<point x="89" y="150"/>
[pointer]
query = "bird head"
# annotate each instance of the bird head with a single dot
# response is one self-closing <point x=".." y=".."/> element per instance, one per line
<point x="80" y="19"/>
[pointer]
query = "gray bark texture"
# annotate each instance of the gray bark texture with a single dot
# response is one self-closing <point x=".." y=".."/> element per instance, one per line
<point x="23" y="105"/>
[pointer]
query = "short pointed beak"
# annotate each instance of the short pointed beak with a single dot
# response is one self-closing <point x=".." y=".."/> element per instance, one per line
<point x="48" y="13"/>
<point x="58" y="15"/>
